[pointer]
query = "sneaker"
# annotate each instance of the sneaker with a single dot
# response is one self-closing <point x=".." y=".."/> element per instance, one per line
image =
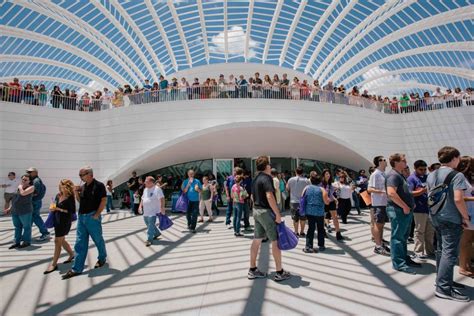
<point x="407" y="270"/>
<point x="302" y="235"/>
<point x="381" y="251"/>
<point x="410" y="240"/>
<point x="456" y="285"/>
<point x="455" y="295"/>
<point x="322" y="248"/>
<point x="385" y="247"/>
<point x="44" y="237"/>
<point x="148" y="243"/>
<point x="238" y="235"/>
<point x="308" y="250"/>
<point x="24" y="245"/>
<point x="285" y="275"/>
<point x="193" y="231"/>
<point x="339" y="236"/>
<point x="229" y="226"/>
<point x="257" y="274"/>
<point x="412" y="263"/>
<point x="14" y="246"/>
<point x="416" y="258"/>
<point x="99" y="264"/>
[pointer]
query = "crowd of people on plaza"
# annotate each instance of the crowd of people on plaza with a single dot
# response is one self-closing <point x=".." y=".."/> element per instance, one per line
<point x="442" y="223"/>
<point x="232" y="87"/>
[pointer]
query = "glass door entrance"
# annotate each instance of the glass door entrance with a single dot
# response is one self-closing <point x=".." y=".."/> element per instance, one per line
<point x="222" y="169"/>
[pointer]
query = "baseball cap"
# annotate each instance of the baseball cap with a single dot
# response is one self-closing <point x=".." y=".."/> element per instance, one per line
<point x="31" y="169"/>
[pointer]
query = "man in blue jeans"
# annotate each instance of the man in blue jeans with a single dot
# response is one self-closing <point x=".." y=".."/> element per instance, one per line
<point x="192" y="187"/>
<point x="38" y="195"/>
<point x="229" y="182"/>
<point x="400" y="206"/>
<point x="92" y="198"/>
<point x="448" y="223"/>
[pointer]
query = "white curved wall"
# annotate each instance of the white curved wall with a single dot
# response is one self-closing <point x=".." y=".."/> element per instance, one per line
<point x="148" y="137"/>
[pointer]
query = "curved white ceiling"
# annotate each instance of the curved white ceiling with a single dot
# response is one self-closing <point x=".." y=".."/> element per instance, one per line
<point x="118" y="41"/>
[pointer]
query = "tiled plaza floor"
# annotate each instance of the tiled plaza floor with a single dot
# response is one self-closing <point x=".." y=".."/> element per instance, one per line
<point x="205" y="274"/>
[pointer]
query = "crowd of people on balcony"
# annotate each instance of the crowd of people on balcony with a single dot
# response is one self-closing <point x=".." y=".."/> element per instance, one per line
<point x="233" y="87"/>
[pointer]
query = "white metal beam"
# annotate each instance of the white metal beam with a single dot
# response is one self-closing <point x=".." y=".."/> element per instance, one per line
<point x="161" y="29"/>
<point x="46" y="61"/>
<point x="247" y="31"/>
<point x="328" y="33"/>
<point x="379" y="16"/>
<point x="142" y="38"/>
<point x="291" y="31"/>
<point x="439" y="19"/>
<point x="36" y="37"/>
<point x="67" y="18"/>
<point x="226" y="33"/>
<point x="460" y="72"/>
<point x="314" y="32"/>
<point x="125" y="34"/>
<point x="180" y="32"/>
<point x="447" y="47"/>
<point x="203" y="29"/>
<point x="275" y="17"/>
<point x="50" y="79"/>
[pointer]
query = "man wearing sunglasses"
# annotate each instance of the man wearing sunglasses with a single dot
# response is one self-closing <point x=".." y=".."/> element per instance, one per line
<point x="92" y="198"/>
<point x="424" y="231"/>
<point x="38" y="195"/>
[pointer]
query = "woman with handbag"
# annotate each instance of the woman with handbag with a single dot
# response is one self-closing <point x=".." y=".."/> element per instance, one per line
<point x="64" y="208"/>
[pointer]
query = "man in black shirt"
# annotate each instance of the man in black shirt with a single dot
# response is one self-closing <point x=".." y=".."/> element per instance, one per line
<point x="263" y="194"/>
<point x="92" y="197"/>
<point x="133" y="186"/>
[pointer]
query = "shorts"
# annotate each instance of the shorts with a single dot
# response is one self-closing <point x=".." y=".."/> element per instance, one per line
<point x="265" y="225"/>
<point x="8" y="197"/>
<point x="379" y="214"/>
<point x="295" y="214"/>
<point x="330" y="207"/>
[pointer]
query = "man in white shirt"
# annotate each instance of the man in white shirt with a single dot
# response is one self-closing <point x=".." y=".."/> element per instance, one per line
<point x="11" y="186"/>
<point x="295" y="187"/>
<point x="378" y="212"/>
<point x="153" y="201"/>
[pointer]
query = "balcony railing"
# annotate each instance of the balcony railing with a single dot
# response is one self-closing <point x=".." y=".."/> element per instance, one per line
<point x="100" y="102"/>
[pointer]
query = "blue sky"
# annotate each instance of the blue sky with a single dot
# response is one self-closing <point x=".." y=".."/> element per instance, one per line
<point x="117" y="41"/>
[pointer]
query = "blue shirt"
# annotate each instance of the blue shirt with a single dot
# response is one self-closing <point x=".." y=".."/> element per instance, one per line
<point x="421" y="202"/>
<point x="314" y="201"/>
<point x="229" y="182"/>
<point x="247" y="185"/>
<point x="192" y="194"/>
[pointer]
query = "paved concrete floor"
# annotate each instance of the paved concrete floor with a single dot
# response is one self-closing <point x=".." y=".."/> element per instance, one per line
<point x="205" y="274"/>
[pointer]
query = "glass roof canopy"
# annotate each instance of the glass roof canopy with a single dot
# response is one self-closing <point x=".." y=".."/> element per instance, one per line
<point x="379" y="45"/>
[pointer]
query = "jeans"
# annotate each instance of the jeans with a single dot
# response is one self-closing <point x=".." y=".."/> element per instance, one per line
<point x="448" y="235"/>
<point x="22" y="225"/>
<point x="246" y="211"/>
<point x="131" y="199"/>
<point x="36" y="218"/>
<point x="109" y="205"/>
<point x="398" y="242"/>
<point x="88" y="226"/>
<point x="313" y="222"/>
<point x="355" y="197"/>
<point x="152" y="231"/>
<point x="192" y="214"/>
<point x="228" y="212"/>
<point x="238" y="210"/>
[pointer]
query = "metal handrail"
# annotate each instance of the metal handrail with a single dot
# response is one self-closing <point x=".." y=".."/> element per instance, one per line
<point x="100" y="102"/>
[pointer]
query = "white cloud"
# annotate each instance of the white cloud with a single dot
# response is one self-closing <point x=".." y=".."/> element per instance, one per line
<point x="235" y="40"/>
<point x="386" y="85"/>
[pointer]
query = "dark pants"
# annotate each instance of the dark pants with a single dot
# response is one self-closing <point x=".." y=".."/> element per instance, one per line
<point x="343" y="209"/>
<point x="246" y="214"/>
<point x="398" y="242"/>
<point x="313" y="222"/>
<point x="355" y="197"/>
<point x="228" y="212"/>
<point x="448" y="235"/>
<point x="192" y="214"/>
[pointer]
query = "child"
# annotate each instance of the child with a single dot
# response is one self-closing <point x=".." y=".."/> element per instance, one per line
<point x="136" y="202"/>
<point x="239" y="195"/>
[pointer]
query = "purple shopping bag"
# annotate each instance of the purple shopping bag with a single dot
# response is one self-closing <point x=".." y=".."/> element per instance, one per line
<point x="287" y="239"/>
<point x="302" y="207"/>
<point x="182" y="203"/>
<point x="74" y="217"/>
<point x="49" y="223"/>
<point x="165" y="222"/>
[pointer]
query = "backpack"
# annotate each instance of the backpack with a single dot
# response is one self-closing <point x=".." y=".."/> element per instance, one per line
<point x="41" y="192"/>
<point x="437" y="196"/>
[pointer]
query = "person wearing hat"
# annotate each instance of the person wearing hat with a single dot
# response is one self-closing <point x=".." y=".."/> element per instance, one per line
<point x="38" y="195"/>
